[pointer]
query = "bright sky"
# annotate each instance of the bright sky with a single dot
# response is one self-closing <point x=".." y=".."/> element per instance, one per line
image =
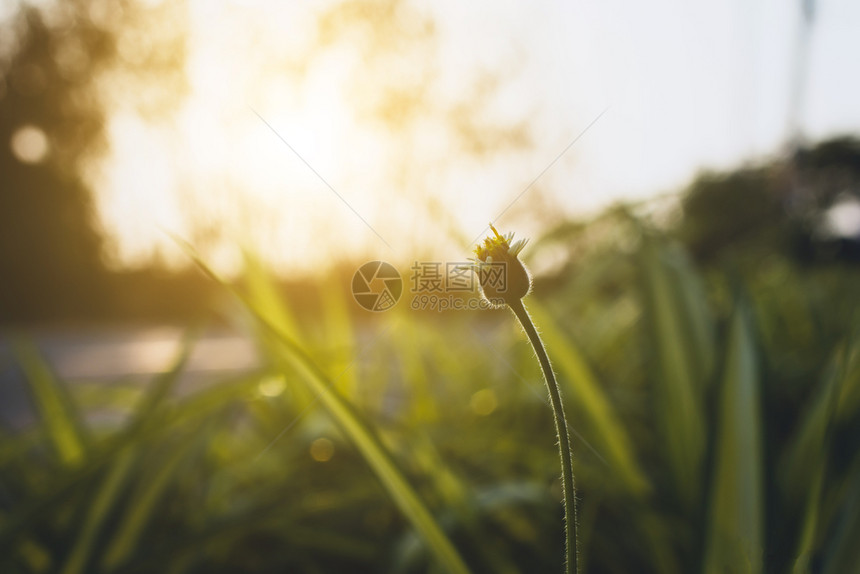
<point x="682" y="86"/>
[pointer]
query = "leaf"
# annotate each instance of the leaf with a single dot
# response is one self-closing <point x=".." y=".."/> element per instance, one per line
<point x="64" y="424"/>
<point x="106" y="497"/>
<point x="805" y="453"/>
<point x="98" y="511"/>
<point x="803" y="466"/>
<point x="159" y="424"/>
<point x="806" y="544"/>
<point x="849" y="395"/>
<point x="339" y="337"/>
<point x="695" y="313"/>
<point x="161" y="387"/>
<point x="735" y="528"/>
<point x="141" y="507"/>
<point x="358" y="431"/>
<point x="682" y="368"/>
<point x="377" y="456"/>
<point x="843" y="552"/>
<point x="411" y="349"/>
<point x="262" y="293"/>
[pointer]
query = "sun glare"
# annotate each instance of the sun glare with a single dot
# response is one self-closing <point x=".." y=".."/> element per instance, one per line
<point x="258" y="157"/>
<point x="343" y="142"/>
<point x="314" y="131"/>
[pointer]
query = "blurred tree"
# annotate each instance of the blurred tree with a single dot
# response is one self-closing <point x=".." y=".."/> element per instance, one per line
<point x="783" y="206"/>
<point x="721" y="210"/>
<point x="49" y="246"/>
<point x="56" y="66"/>
<point x="826" y="202"/>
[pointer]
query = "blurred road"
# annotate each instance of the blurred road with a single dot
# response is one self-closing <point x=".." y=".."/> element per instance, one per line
<point x="113" y="355"/>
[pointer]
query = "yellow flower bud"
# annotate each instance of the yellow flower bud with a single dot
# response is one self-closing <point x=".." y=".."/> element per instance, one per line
<point x="502" y="276"/>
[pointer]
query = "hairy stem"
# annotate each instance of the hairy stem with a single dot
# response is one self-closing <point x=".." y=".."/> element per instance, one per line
<point x="564" y="448"/>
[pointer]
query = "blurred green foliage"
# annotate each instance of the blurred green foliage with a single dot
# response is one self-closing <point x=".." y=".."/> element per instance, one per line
<point x="714" y="407"/>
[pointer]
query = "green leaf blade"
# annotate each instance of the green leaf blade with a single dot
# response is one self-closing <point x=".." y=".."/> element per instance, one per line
<point x="736" y="525"/>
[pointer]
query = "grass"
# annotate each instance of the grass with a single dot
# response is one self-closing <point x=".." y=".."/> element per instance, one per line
<point x="715" y="415"/>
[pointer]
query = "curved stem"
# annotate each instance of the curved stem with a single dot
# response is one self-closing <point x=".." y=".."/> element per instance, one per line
<point x="564" y="448"/>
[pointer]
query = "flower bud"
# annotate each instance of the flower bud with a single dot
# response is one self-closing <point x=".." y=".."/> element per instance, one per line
<point x="502" y="276"/>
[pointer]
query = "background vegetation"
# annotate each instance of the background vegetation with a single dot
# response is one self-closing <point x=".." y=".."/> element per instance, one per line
<point x="714" y="401"/>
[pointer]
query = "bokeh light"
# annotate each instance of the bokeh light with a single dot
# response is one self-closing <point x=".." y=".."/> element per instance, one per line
<point x="322" y="449"/>
<point x="29" y="144"/>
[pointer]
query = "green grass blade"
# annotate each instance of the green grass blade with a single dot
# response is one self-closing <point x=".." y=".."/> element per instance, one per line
<point x="843" y="552"/>
<point x="809" y="528"/>
<point x="806" y="451"/>
<point x="64" y="424"/>
<point x="679" y="382"/>
<point x="360" y="433"/>
<point x="411" y="354"/>
<point x="36" y="557"/>
<point x="159" y="424"/>
<point x="99" y="509"/>
<point x="141" y="507"/>
<point x="339" y="336"/>
<point x="379" y="459"/>
<point x="849" y="394"/>
<point x="608" y="434"/>
<point x="121" y="466"/>
<point x="698" y="323"/>
<point x="735" y="527"/>
<point x="263" y="291"/>
<point x="803" y="467"/>
<point x="160" y="388"/>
